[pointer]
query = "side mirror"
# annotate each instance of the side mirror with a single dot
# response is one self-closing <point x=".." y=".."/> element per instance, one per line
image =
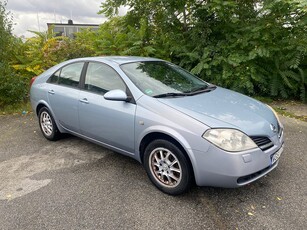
<point x="116" y="95"/>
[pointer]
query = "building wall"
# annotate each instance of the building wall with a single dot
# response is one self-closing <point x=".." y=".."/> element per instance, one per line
<point x="68" y="30"/>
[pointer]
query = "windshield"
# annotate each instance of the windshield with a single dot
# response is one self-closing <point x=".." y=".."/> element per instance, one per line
<point x="156" y="78"/>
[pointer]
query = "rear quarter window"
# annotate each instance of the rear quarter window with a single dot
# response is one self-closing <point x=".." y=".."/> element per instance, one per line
<point x="54" y="77"/>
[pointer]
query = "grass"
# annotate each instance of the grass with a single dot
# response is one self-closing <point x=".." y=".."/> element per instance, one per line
<point x="19" y="108"/>
<point x="281" y="109"/>
<point x="265" y="100"/>
<point x="282" y="112"/>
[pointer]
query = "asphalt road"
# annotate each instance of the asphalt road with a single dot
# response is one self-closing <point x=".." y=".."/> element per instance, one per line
<point x="74" y="184"/>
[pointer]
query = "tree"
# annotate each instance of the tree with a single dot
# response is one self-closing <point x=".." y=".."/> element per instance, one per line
<point x="5" y="34"/>
<point x="12" y="88"/>
<point x="252" y="46"/>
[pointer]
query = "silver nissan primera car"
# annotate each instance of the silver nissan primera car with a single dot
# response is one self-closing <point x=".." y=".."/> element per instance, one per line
<point x="181" y="128"/>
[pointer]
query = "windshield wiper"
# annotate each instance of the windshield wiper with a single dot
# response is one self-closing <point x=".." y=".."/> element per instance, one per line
<point x="203" y="89"/>
<point x="171" y="95"/>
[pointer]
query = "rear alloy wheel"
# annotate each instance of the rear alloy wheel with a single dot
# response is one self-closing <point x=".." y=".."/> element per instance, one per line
<point x="167" y="167"/>
<point x="47" y="125"/>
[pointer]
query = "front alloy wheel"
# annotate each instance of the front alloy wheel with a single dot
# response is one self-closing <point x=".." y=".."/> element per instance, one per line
<point x="167" y="167"/>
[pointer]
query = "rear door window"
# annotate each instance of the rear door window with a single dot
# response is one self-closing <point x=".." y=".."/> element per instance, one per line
<point x="68" y="75"/>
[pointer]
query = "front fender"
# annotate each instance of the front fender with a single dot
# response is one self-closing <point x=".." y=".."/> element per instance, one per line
<point x="165" y="130"/>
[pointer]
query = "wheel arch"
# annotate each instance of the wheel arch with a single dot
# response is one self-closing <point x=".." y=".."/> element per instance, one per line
<point x="39" y="106"/>
<point x="148" y="138"/>
<point x="42" y="104"/>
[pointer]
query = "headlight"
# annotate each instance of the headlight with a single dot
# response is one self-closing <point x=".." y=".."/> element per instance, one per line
<point x="274" y="113"/>
<point x="231" y="140"/>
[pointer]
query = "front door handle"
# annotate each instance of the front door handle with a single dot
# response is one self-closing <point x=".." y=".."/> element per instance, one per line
<point x="84" y="100"/>
<point x="51" y="91"/>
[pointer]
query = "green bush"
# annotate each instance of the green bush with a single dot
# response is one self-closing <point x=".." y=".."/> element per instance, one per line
<point x="13" y="88"/>
<point x="256" y="47"/>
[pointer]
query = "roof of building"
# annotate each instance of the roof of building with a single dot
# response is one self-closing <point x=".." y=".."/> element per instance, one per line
<point x="67" y="24"/>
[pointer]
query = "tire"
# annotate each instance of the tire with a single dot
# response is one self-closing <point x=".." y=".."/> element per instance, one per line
<point x="48" y="125"/>
<point x="168" y="167"/>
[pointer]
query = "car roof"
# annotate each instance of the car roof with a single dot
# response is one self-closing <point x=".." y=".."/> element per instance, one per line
<point x="120" y="59"/>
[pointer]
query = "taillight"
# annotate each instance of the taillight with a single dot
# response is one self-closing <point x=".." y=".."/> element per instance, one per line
<point x="32" y="80"/>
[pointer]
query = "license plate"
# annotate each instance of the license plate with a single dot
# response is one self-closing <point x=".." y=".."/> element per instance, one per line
<point x="275" y="156"/>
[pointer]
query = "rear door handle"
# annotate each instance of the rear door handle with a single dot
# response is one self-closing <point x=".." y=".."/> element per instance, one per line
<point x="84" y="100"/>
<point x="51" y="91"/>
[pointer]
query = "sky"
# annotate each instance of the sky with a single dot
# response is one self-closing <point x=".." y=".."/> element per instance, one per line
<point x="34" y="14"/>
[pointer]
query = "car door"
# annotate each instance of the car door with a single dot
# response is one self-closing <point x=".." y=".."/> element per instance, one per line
<point x="63" y="95"/>
<point x="107" y="121"/>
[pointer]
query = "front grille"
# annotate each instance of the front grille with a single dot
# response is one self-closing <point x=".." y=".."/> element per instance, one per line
<point x="264" y="143"/>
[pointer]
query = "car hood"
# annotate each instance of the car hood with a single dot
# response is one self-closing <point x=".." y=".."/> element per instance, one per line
<point x="228" y="109"/>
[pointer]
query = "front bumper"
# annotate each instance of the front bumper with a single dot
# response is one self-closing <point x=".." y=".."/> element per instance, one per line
<point x="219" y="168"/>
